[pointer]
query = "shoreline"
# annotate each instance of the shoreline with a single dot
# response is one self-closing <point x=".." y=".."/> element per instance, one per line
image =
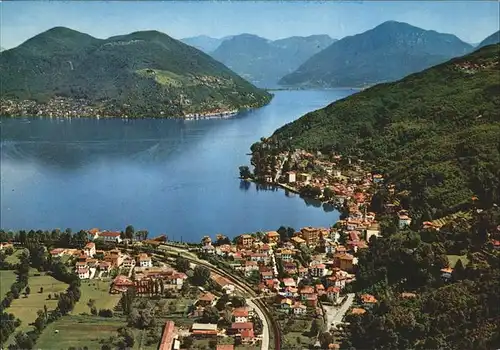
<point x="67" y="108"/>
<point x="291" y="189"/>
<point x="219" y="115"/>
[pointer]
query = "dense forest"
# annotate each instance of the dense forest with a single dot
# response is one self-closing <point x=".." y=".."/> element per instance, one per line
<point x="418" y="308"/>
<point x="435" y="133"/>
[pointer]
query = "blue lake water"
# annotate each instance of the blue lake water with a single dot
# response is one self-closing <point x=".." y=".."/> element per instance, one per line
<point x="167" y="176"/>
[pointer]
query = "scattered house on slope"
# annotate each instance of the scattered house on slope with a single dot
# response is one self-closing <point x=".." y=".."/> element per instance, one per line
<point x="89" y="249"/>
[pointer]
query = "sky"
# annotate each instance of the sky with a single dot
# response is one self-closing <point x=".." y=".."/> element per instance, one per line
<point x="471" y="21"/>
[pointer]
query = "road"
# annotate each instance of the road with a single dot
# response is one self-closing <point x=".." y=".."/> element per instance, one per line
<point x="280" y="169"/>
<point x="334" y="315"/>
<point x="265" y="326"/>
<point x="194" y="260"/>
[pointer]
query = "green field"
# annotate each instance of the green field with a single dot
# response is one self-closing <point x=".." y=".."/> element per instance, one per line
<point x="79" y="331"/>
<point x="26" y="308"/>
<point x="14" y="258"/>
<point x="454" y="258"/>
<point x="7" y="278"/>
<point x="99" y="291"/>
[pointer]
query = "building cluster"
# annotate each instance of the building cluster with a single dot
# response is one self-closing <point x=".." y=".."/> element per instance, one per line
<point x="301" y="270"/>
<point x="150" y="281"/>
<point x="55" y="107"/>
<point x="90" y="261"/>
<point x="241" y="326"/>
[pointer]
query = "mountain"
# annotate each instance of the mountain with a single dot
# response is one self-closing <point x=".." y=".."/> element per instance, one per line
<point x="144" y="73"/>
<point x="435" y="133"/>
<point x="204" y="43"/>
<point x="492" y="39"/>
<point x="263" y="61"/>
<point x="385" y="53"/>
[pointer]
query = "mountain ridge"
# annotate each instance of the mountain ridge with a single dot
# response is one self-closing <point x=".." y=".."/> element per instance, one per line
<point x="265" y="61"/>
<point x="386" y="52"/>
<point x="490" y="40"/>
<point x="138" y="74"/>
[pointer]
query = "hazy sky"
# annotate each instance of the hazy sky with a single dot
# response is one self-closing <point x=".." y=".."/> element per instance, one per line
<point x="471" y="21"/>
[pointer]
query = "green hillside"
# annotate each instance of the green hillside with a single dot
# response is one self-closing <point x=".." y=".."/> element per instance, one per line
<point x="385" y="53"/>
<point x="139" y="74"/>
<point x="436" y="133"/>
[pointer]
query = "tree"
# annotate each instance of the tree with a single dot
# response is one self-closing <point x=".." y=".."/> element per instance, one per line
<point x="127" y="337"/>
<point x="245" y="172"/>
<point x="129" y="232"/>
<point x="328" y="193"/>
<point x="24" y="341"/>
<point x="325" y="339"/>
<point x="458" y="271"/>
<point x="201" y="275"/>
<point x="316" y="326"/>
<point x="172" y="308"/>
<point x="182" y="264"/>
<point x="91" y="304"/>
<point x="187" y="342"/>
<point x="210" y="315"/>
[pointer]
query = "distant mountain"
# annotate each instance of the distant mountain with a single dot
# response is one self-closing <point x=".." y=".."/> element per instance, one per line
<point x="144" y="73"/>
<point x="492" y="39"/>
<point x="385" y="53"/>
<point x="263" y="61"/>
<point x="435" y="133"/>
<point x="204" y="43"/>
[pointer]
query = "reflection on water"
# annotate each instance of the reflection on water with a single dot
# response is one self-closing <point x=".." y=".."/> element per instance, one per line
<point x="167" y="176"/>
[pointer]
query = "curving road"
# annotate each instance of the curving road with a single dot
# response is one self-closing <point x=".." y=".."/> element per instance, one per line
<point x="256" y="305"/>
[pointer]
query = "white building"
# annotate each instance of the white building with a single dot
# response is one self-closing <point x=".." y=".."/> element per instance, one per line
<point x="89" y="249"/>
<point x="83" y="273"/>
<point x="318" y="270"/>
<point x="144" y="260"/>
<point x="112" y="237"/>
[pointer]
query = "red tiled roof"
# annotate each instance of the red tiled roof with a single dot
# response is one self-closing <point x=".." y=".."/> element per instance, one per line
<point x="207" y="297"/>
<point x="109" y="234"/>
<point x="168" y="336"/>
<point x="247" y="333"/>
<point x="225" y="347"/>
<point x="240" y="312"/>
<point x="242" y="325"/>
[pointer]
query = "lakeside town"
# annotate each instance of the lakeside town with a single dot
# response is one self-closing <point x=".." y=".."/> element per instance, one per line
<point x="64" y="107"/>
<point x="262" y="290"/>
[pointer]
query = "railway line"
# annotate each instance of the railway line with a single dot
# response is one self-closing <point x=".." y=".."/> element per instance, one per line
<point x="273" y="326"/>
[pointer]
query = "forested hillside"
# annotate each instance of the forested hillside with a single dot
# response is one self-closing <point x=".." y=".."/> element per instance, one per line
<point x="435" y="133"/>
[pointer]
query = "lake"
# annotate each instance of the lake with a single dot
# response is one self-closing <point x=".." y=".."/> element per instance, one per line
<point x="167" y="176"/>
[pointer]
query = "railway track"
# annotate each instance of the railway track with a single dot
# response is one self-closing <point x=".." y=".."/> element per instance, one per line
<point x="274" y="328"/>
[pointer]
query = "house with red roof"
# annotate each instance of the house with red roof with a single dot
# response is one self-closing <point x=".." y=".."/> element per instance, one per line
<point x="240" y="315"/>
<point x="299" y="309"/>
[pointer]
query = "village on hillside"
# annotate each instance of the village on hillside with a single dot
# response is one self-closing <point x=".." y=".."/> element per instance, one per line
<point x="286" y="288"/>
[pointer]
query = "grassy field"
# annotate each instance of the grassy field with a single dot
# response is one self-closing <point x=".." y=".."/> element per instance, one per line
<point x="78" y="331"/>
<point x="14" y="258"/>
<point x="26" y="308"/>
<point x="296" y="331"/>
<point x="7" y="278"/>
<point x="454" y="258"/>
<point x="99" y="291"/>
